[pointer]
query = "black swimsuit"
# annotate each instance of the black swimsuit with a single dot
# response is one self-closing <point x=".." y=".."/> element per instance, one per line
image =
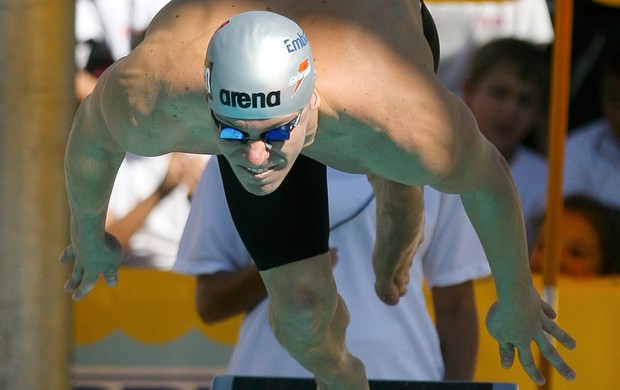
<point x="292" y="223"/>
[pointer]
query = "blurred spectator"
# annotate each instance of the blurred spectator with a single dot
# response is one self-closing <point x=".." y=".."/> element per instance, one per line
<point x="590" y="239"/>
<point x="149" y="206"/>
<point x="464" y="26"/>
<point x="506" y="90"/>
<point x="595" y="23"/>
<point x="395" y="342"/>
<point x="592" y="161"/>
<point x="107" y="30"/>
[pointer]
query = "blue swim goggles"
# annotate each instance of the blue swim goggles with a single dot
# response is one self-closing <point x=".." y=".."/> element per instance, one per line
<point x="280" y="133"/>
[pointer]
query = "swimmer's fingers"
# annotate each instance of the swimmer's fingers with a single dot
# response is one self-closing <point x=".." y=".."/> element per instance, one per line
<point x="111" y="277"/>
<point x="77" y="274"/>
<point x="506" y="354"/>
<point x="75" y="279"/>
<point x="86" y="285"/>
<point x="89" y="263"/>
<point x="67" y="255"/>
<point x="553" y="356"/>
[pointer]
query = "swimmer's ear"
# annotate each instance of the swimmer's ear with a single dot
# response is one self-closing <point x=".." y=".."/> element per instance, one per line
<point x="315" y="100"/>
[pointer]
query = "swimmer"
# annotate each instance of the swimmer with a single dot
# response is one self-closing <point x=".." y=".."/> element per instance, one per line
<point x="353" y="88"/>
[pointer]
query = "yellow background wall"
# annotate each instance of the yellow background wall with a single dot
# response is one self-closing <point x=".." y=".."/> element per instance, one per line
<point x="158" y="307"/>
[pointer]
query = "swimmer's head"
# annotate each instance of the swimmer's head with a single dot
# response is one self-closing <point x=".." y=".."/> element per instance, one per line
<point x="258" y="65"/>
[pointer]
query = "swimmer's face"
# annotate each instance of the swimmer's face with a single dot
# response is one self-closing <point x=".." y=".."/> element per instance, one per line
<point x="262" y="165"/>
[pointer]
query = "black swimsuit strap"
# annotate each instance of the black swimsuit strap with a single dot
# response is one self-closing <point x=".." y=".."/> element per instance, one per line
<point x="291" y="223"/>
<point x="430" y="33"/>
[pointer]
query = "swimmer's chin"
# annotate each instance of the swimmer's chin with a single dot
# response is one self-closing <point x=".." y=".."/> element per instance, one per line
<point x="261" y="189"/>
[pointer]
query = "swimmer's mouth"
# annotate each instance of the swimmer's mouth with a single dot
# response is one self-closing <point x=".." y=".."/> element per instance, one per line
<point x="256" y="171"/>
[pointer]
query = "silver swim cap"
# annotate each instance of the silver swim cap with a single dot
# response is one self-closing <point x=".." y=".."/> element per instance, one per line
<point x="258" y="65"/>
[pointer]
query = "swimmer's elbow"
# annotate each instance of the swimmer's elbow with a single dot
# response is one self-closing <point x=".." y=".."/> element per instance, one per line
<point x="471" y="160"/>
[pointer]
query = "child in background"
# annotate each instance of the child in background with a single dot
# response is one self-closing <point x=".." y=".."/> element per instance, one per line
<point x="590" y="239"/>
<point x="506" y="89"/>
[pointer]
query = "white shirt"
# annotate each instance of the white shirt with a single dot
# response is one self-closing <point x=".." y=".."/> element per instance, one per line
<point x="464" y="26"/>
<point x="530" y="172"/>
<point x="155" y="244"/>
<point x="592" y="163"/>
<point x="398" y="342"/>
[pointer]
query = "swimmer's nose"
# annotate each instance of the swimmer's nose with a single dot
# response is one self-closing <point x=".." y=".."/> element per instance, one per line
<point x="256" y="152"/>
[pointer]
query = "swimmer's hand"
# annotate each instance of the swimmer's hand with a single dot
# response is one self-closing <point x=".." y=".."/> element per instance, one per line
<point x="90" y="262"/>
<point x="516" y="324"/>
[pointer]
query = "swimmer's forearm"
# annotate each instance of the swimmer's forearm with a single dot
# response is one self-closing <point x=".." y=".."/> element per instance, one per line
<point x="482" y="177"/>
<point x="400" y="218"/>
<point x="495" y="213"/>
<point x="90" y="171"/>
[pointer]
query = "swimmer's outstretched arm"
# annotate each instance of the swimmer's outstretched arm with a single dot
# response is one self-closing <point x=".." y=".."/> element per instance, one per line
<point x="92" y="160"/>
<point x="487" y="191"/>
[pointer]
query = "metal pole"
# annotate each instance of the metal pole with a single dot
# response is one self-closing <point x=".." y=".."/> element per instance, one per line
<point x="558" y="123"/>
<point x="36" y="107"/>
